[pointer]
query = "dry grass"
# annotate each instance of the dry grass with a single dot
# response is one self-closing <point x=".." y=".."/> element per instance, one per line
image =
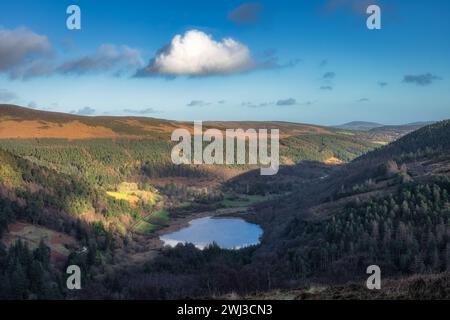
<point x="11" y="129"/>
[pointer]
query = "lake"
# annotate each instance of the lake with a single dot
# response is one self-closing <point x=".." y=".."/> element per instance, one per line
<point x="228" y="233"/>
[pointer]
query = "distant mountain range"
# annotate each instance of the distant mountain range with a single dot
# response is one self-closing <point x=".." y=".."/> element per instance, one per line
<point x="359" y="125"/>
<point x="369" y="126"/>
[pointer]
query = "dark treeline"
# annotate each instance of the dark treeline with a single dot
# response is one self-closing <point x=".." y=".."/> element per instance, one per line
<point x="184" y="272"/>
<point x="404" y="233"/>
<point x="153" y="170"/>
<point x="28" y="274"/>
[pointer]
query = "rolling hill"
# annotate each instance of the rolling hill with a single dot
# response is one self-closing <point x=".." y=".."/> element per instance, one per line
<point x="108" y="150"/>
<point x="359" y="126"/>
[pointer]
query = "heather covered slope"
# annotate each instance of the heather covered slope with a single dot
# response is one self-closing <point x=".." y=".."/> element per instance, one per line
<point x="24" y="123"/>
<point x="131" y="126"/>
<point x="112" y="149"/>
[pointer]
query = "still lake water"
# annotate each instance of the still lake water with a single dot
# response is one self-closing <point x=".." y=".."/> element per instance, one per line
<point x="228" y="233"/>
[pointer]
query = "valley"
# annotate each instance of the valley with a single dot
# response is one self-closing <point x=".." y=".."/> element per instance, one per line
<point x="99" y="192"/>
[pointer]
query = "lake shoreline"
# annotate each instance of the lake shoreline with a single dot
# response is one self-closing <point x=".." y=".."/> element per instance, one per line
<point x="231" y="216"/>
<point x="179" y="223"/>
<point x="152" y="245"/>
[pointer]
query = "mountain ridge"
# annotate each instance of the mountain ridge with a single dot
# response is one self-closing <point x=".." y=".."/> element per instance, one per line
<point x="17" y="122"/>
<point x="359" y="125"/>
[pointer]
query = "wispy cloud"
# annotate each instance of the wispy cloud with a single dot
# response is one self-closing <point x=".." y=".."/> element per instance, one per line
<point x="287" y="102"/>
<point x="307" y="103"/>
<point x="86" y="111"/>
<point x="256" y="105"/>
<point x="25" y="54"/>
<point x="329" y="75"/>
<point x="32" y="105"/>
<point x="107" y="58"/>
<point x="421" y="79"/>
<point x="246" y="13"/>
<point x="357" y="7"/>
<point x="277" y="103"/>
<point x="141" y="111"/>
<point x="198" y="103"/>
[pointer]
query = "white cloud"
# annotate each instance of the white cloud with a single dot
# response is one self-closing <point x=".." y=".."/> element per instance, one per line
<point x="197" y="54"/>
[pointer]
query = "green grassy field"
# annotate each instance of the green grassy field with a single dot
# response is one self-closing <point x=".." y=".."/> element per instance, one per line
<point x="234" y="201"/>
<point x="145" y="227"/>
<point x="156" y="220"/>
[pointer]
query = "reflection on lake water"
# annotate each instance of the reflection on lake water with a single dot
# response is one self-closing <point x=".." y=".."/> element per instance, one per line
<point x="228" y="233"/>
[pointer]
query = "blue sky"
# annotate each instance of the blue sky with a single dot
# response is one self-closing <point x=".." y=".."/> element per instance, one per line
<point x="301" y="61"/>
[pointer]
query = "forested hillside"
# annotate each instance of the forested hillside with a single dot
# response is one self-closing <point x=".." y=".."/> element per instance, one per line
<point x="109" y="148"/>
<point x="41" y="196"/>
<point x="375" y="210"/>
<point x="323" y="223"/>
<point x="389" y="207"/>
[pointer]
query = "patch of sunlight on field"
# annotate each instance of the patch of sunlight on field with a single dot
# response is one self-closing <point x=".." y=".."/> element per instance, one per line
<point x="383" y="143"/>
<point x="333" y="161"/>
<point x="118" y="195"/>
<point x="128" y="191"/>
<point x="346" y="133"/>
